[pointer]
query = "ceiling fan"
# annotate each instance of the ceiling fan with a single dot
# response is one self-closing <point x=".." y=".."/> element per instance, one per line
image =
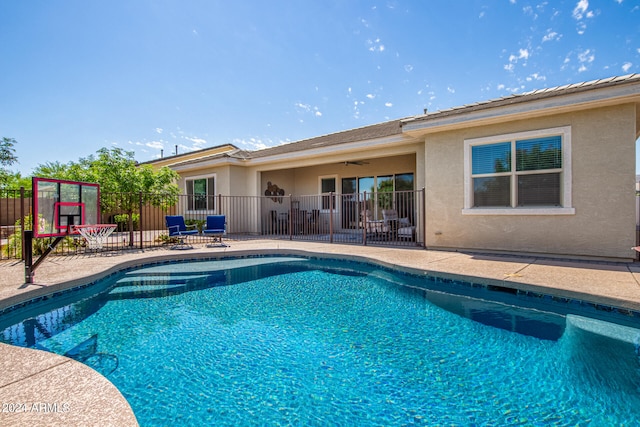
<point x="356" y="162"/>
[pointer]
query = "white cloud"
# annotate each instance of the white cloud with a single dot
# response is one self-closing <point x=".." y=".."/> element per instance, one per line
<point x="626" y="66"/>
<point x="251" y="143"/>
<point x="159" y="130"/>
<point x="501" y="86"/>
<point x="306" y="108"/>
<point x="514" y="59"/>
<point x="197" y="142"/>
<point x="370" y="96"/>
<point x="375" y="45"/>
<point x="522" y="54"/>
<point x="388" y="104"/>
<point x="580" y="12"/>
<point x="156" y="145"/>
<point x="408" y="68"/>
<point x="535" y="77"/>
<point x="450" y="89"/>
<point x="586" y="57"/>
<point x="550" y="36"/>
<point x="581" y="9"/>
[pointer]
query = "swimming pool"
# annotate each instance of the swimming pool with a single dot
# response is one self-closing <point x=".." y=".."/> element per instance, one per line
<point x="298" y="341"/>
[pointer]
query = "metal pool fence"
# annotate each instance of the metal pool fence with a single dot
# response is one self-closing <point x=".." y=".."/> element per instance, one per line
<point x="394" y="218"/>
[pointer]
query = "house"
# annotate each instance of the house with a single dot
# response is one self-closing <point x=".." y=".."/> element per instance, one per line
<point x="545" y="172"/>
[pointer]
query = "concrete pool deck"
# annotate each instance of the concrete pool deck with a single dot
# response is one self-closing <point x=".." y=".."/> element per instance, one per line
<point x="40" y="388"/>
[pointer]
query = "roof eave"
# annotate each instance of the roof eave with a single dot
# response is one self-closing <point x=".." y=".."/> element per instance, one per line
<point x="312" y="154"/>
<point x="525" y="106"/>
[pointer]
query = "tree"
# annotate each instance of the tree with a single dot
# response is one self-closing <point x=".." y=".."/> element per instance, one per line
<point x="7" y="158"/>
<point x="15" y="180"/>
<point x="51" y="170"/>
<point x="118" y="173"/>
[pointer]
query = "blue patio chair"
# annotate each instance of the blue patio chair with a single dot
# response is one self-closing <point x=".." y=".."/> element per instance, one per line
<point x="215" y="227"/>
<point x="177" y="228"/>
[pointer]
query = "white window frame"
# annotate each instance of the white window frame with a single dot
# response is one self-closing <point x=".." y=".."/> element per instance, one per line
<point x="335" y="180"/>
<point x="566" y="207"/>
<point x="214" y="192"/>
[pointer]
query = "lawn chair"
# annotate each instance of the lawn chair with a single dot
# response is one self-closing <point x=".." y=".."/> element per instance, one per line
<point x="178" y="229"/>
<point x="373" y="228"/>
<point x="216" y="227"/>
<point x="400" y="228"/>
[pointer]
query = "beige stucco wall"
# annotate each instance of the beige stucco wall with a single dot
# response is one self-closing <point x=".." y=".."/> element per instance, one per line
<point x="603" y="183"/>
<point x="230" y="179"/>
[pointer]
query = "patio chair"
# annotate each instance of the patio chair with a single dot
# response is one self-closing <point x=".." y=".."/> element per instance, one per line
<point x="279" y="222"/>
<point x="216" y="227"/>
<point x="178" y="229"/>
<point x="373" y="228"/>
<point x="400" y="228"/>
<point x="314" y="221"/>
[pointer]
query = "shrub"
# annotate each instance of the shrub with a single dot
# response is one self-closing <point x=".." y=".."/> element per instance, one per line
<point x="199" y="223"/>
<point x="122" y="220"/>
<point x="13" y="248"/>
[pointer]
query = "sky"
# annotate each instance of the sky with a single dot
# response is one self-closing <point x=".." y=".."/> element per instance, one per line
<point x="152" y="75"/>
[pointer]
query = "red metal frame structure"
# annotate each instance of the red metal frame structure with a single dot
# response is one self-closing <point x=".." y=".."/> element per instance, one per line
<point x="57" y="206"/>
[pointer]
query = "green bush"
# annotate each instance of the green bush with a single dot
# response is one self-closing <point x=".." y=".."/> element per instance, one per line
<point x="166" y="240"/>
<point x="122" y="220"/>
<point x="199" y="223"/>
<point x="13" y="248"/>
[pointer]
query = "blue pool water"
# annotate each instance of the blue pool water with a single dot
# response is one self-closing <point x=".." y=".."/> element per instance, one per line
<point x="290" y="341"/>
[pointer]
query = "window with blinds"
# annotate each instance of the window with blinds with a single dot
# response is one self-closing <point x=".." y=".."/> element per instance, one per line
<point x="523" y="172"/>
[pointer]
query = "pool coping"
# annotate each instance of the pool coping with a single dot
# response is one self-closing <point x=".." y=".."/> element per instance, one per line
<point x="88" y="393"/>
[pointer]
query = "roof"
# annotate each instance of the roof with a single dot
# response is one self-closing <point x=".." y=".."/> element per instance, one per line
<point x="190" y="155"/>
<point x="529" y="97"/>
<point x="366" y="133"/>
